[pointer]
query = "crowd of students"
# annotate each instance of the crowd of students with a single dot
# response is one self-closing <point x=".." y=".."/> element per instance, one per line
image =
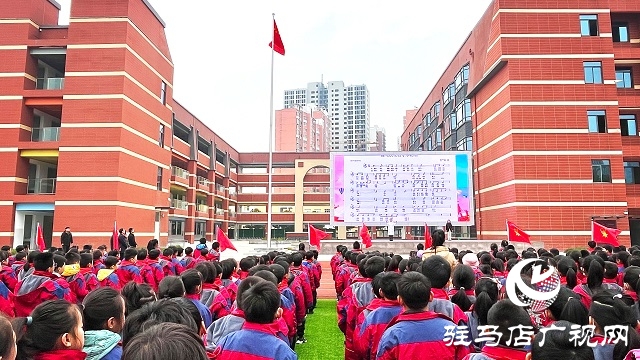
<point x="430" y="305"/>
<point x="154" y="304"/>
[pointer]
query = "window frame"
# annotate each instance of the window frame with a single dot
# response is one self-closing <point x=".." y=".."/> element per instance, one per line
<point x="590" y="68"/>
<point x="625" y="72"/>
<point x="587" y="19"/>
<point x="616" y="26"/>
<point x="631" y="173"/>
<point x="604" y="166"/>
<point x="163" y="93"/>
<point x="626" y="119"/>
<point x="159" y="176"/>
<point x="597" y="116"/>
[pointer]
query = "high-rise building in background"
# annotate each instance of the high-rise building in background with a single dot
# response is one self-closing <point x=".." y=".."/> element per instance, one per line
<point x="347" y="107"/>
<point x="302" y="129"/>
<point x="378" y="139"/>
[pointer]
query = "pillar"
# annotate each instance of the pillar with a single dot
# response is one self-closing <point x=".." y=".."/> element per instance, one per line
<point x="190" y="222"/>
<point x="225" y="204"/>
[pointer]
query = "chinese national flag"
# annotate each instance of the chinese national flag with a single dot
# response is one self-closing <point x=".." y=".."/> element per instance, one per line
<point x="277" y="45"/>
<point x="604" y="235"/>
<point x="315" y="236"/>
<point x="364" y="235"/>
<point x="515" y="234"/>
<point x="114" y="237"/>
<point x="40" y="239"/>
<point x="223" y="240"/>
<point x="428" y="242"/>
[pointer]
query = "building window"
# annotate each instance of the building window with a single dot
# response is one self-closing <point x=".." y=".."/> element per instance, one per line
<point x="620" y="32"/>
<point x="593" y="72"/>
<point x="163" y="93"/>
<point x="465" y="144"/>
<point x="589" y="25"/>
<point x="597" y="121"/>
<point x="628" y="126"/>
<point x="601" y="170"/>
<point x="176" y="228"/>
<point x="624" y="78"/>
<point x="159" y="179"/>
<point x="632" y="172"/>
<point x="161" y="136"/>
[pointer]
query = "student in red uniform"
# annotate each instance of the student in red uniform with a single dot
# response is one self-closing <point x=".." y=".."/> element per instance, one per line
<point x="40" y="286"/>
<point x="287" y="322"/>
<point x="257" y="339"/>
<point x="188" y="261"/>
<point x="336" y="261"/>
<point x="373" y="320"/>
<point x="215" y="251"/>
<point x="156" y="268"/>
<point x="166" y="261"/>
<point x="103" y="313"/>
<point x="128" y="271"/>
<point x="146" y="273"/>
<point x="53" y="331"/>
<point x="438" y="270"/>
<point x="173" y="341"/>
<point x="7" y="275"/>
<point x="6" y="301"/>
<point x="98" y="261"/>
<point x="85" y="280"/>
<point x="314" y="278"/>
<point x="298" y="271"/>
<point x="245" y="264"/>
<point x="108" y="276"/>
<point x="560" y="344"/>
<point x="344" y="272"/>
<point x="417" y="333"/>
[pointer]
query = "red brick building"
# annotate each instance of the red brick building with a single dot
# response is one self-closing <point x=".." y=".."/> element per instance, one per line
<point x="92" y="135"/>
<point x="546" y="94"/>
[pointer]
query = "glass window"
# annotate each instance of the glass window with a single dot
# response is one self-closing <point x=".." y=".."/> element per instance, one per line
<point x="176" y="227"/>
<point x="589" y="25"/>
<point x="163" y="93"/>
<point x="597" y="121"/>
<point x="161" y="136"/>
<point x="620" y="32"/>
<point x="454" y="122"/>
<point x="628" y="126"/>
<point x="632" y="172"/>
<point x="465" y="144"/>
<point x="437" y="109"/>
<point x="438" y="137"/>
<point x="601" y="170"/>
<point x="624" y="78"/>
<point x="159" y="179"/>
<point x="593" y="72"/>
<point x="465" y="74"/>
<point x="429" y="143"/>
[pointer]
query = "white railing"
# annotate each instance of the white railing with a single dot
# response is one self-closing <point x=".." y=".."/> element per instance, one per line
<point x="203" y="181"/>
<point x="202" y="208"/>
<point x="179" y="204"/>
<point x="219" y="212"/>
<point x="179" y="172"/>
<point x="41" y="186"/>
<point x="45" y="134"/>
<point x="51" y="83"/>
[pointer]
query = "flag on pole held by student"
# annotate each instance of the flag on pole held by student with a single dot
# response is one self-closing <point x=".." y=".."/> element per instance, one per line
<point x="604" y="235"/>
<point x="316" y="235"/>
<point x="428" y="241"/>
<point x="223" y="240"/>
<point x="277" y="45"/>
<point x="515" y="234"/>
<point x="40" y="239"/>
<point x="364" y="235"/>
<point x="114" y="236"/>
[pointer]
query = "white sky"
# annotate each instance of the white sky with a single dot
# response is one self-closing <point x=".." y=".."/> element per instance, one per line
<point x="222" y="62"/>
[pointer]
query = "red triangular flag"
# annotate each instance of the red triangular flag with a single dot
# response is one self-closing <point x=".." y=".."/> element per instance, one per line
<point x="604" y="235"/>
<point x="315" y="236"/>
<point x="515" y="234"/>
<point x="114" y="236"/>
<point x="428" y="241"/>
<point x="364" y="235"/>
<point x="224" y="241"/>
<point x="40" y="239"/>
<point x="277" y="44"/>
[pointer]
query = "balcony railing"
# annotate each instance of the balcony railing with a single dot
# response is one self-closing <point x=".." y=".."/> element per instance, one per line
<point x="219" y="212"/>
<point x="202" y="181"/>
<point x="232" y="213"/>
<point x="179" y="172"/>
<point x="219" y="188"/>
<point x="41" y="186"/>
<point x="179" y="204"/>
<point x="45" y="134"/>
<point x="202" y="208"/>
<point x="51" y="83"/>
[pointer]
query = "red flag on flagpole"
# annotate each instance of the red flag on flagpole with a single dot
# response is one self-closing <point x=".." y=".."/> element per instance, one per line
<point x="515" y="234"/>
<point x="114" y="236"/>
<point x="223" y="240"/>
<point x="428" y="241"/>
<point x="40" y="239"/>
<point x="364" y="235"/>
<point x="277" y="45"/>
<point x="315" y="236"/>
<point x="604" y="235"/>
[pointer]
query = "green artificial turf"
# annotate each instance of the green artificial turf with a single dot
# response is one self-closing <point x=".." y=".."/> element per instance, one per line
<point x="324" y="340"/>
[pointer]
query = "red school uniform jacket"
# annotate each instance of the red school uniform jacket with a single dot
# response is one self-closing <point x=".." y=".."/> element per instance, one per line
<point x="355" y="299"/>
<point x="8" y="277"/>
<point x="98" y="265"/>
<point x="168" y="267"/>
<point x="298" y="297"/>
<point x="300" y="273"/>
<point x="156" y="272"/>
<point x="335" y="262"/>
<point x="128" y="271"/>
<point x="254" y="342"/>
<point x="343" y="276"/>
<point x="6" y="301"/>
<point x="145" y="272"/>
<point x="418" y="336"/>
<point x="109" y="278"/>
<point x="82" y="283"/>
<point x="498" y="353"/>
<point x="371" y="325"/>
<point x="37" y="288"/>
<point x="312" y="272"/>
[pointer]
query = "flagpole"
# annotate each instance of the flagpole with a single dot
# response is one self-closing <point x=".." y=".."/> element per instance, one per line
<point x="506" y="223"/>
<point x="270" y="166"/>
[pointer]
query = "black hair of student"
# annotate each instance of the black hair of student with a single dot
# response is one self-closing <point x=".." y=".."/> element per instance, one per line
<point x="227" y="268"/>
<point x="568" y="268"/>
<point x="353" y="257"/>
<point x="505" y="314"/>
<point x="554" y="251"/>
<point x="49" y="321"/>
<point x="257" y="268"/>
<point x="437" y="237"/>
<point x="497" y="264"/>
<point x="114" y="253"/>
<point x="356" y="245"/>
<point x="388" y="283"/>
<point x="437" y="270"/>
<point x="109" y="261"/>
<point x="623" y="257"/>
<point x="420" y="247"/>
<point x="247" y="263"/>
<point x="72" y="257"/>
<point x="42" y="261"/>
<point x="610" y="270"/>
<point x="58" y="261"/>
<point x="394" y="263"/>
<point x="285" y="266"/>
<point x="205" y="271"/>
<point x="99" y="306"/>
<point x="215" y="245"/>
<point x="308" y="255"/>
<point x="158" y="312"/>
<point x="142" y="254"/>
<point x="86" y="260"/>
<point x="594" y="266"/>
<point x="171" y="287"/>
<point x="463" y="278"/>
<point x="415" y="290"/>
<point x="278" y="271"/>
<point x="608" y="309"/>
<point x="486" y="295"/>
<point x="402" y="265"/>
<point x="373" y="266"/>
<point x="188" y="251"/>
<point x="493" y="247"/>
<point x="5" y="248"/>
<point x="191" y="279"/>
<point x="136" y="295"/>
<point x="97" y="255"/>
<point x="631" y="277"/>
<point x="202" y="240"/>
<point x="167" y="252"/>
<point x="190" y="307"/>
<point x="204" y="252"/>
<point x="152" y="244"/>
<point x="6" y="337"/>
<point x="592" y="244"/>
<point x="567" y="306"/>
<point x="154" y="254"/>
<point x="153" y="344"/>
<point x="268" y="276"/>
<point x="560" y="345"/>
<point x="245" y="284"/>
<point x="130" y="253"/>
<point x="261" y="302"/>
<point x="296" y="259"/>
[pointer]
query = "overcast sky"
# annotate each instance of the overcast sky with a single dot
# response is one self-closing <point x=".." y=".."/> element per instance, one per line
<point x="222" y="61"/>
